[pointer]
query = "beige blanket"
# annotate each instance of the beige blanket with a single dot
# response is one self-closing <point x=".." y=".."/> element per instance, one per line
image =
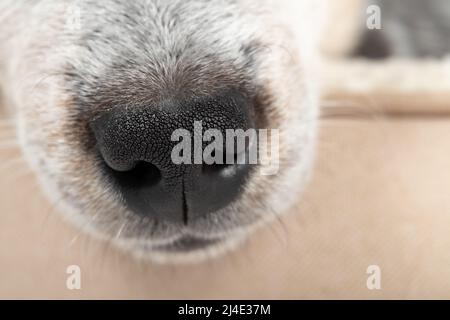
<point x="379" y="196"/>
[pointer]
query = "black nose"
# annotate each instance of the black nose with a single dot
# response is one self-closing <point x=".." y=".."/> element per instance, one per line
<point x="136" y="145"/>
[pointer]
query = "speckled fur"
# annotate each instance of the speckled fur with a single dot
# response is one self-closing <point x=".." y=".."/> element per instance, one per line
<point x="57" y="77"/>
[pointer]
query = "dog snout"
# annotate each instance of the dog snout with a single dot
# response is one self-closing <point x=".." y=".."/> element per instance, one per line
<point x="136" y="144"/>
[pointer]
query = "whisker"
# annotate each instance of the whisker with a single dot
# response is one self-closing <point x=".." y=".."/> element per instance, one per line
<point x="40" y="81"/>
<point x="338" y="108"/>
<point x="79" y="233"/>
<point x="283" y="237"/>
<point x="122" y="227"/>
<point x="51" y="210"/>
<point x="74" y="239"/>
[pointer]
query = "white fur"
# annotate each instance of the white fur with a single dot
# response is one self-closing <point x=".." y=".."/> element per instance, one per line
<point x="37" y="49"/>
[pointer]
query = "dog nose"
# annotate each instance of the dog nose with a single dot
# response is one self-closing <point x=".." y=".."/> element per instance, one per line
<point x="137" y="145"/>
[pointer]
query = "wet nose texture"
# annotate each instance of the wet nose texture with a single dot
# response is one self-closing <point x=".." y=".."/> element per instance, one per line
<point x="136" y="146"/>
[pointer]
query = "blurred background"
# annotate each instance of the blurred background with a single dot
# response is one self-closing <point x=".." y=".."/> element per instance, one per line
<point x="379" y="193"/>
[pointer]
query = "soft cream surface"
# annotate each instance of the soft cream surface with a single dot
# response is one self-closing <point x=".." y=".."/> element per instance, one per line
<point x="379" y="196"/>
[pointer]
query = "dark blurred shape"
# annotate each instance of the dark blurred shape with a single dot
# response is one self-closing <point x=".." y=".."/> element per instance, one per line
<point x="410" y="28"/>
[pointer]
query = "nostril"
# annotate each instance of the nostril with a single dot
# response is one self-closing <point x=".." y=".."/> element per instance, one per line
<point x="145" y="191"/>
<point x="144" y="174"/>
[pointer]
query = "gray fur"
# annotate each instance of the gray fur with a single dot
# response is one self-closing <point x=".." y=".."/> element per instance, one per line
<point x="57" y="77"/>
